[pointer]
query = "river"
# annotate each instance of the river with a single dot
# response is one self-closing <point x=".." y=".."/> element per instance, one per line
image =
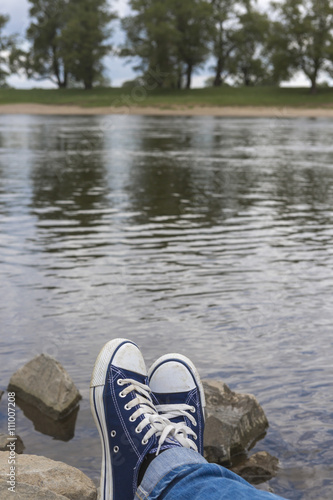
<point x="208" y="236"/>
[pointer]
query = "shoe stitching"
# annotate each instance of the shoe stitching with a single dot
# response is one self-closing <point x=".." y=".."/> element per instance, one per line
<point x="195" y="393"/>
<point x="139" y="455"/>
<point x="116" y="405"/>
<point x="197" y="404"/>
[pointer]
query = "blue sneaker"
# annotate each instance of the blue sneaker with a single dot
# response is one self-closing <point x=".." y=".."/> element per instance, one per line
<point x="179" y="396"/>
<point x="126" y="418"/>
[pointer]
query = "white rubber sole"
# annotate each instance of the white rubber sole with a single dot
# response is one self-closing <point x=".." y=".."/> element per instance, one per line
<point x="97" y="408"/>
<point x="189" y="364"/>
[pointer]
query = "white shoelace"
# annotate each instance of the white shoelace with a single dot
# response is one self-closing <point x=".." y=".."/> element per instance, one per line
<point x="158" y="425"/>
<point x="170" y="411"/>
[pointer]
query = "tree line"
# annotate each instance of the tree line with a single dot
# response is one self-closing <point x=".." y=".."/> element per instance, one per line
<point x="68" y="39"/>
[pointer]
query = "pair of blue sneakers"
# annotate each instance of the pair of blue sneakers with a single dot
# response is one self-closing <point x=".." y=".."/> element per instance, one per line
<point x="140" y="414"/>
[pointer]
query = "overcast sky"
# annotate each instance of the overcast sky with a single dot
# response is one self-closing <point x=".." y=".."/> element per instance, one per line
<point x="117" y="69"/>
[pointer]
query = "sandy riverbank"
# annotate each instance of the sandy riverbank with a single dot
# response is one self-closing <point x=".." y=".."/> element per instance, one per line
<point x="246" y="111"/>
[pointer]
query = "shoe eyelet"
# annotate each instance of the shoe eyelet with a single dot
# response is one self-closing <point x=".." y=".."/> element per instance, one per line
<point x="144" y="441"/>
<point x="122" y="395"/>
<point x="119" y="381"/>
<point x="131" y="419"/>
<point x="195" y="424"/>
<point x="192" y="410"/>
<point x="113" y="433"/>
<point x="195" y="437"/>
<point x="127" y="407"/>
<point x="116" y="449"/>
<point x="137" y="430"/>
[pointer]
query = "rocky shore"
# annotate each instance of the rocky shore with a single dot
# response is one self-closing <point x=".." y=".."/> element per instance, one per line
<point x="223" y="111"/>
<point x="234" y="423"/>
<point x="41" y="478"/>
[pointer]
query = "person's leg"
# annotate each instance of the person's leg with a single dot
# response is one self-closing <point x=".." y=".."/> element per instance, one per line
<point x="183" y="474"/>
<point x="142" y="447"/>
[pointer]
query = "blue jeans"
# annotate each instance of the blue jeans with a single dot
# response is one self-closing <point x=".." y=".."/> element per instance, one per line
<point x="183" y="474"/>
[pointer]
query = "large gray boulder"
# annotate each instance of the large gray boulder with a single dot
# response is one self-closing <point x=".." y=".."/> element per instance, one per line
<point x="45" y="384"/>
<point x="234" y="422"/>
<point x="55" y="477"/>
<point x="62" y="429"/>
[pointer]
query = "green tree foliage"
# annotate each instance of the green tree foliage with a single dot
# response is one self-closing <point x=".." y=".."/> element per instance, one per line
<point x="67" y="40"/>
<point x="7" y="52"/>
<point x="170" y="37"/>
<point x="306" y="36"/>
<point x="45" y="59"/>
<point x="193" y="22"/>
<point x="281" y="59"/>
<point x="83" y="39"/>
<point x="150" y="36"/>
<point x="249" y="62"/>
<point x="223" y="43"/>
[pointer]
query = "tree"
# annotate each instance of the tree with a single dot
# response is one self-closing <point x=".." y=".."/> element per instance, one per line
<point x="150" y="35"/>
<point x="67" y="38"/>
<point x="249" y="63"/>
<point x="7" y="49"/>
<point x="169" y="37"/>
<point x="83" y="39"/>
<point x="307" y="34"/>
<point x="45" y="59"/>
<point x="281" y="58"/>
<point x="222" y="37"/>
<point x="193" y="22"/>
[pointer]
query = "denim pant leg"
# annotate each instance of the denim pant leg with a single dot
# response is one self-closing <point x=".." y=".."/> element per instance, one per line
<point x="183" y="474"/>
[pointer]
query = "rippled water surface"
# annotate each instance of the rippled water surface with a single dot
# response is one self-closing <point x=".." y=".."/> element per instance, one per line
<point x="208" y="236"/>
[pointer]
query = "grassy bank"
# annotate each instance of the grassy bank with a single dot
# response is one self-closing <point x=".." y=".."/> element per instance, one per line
<point x="212" y="97"/>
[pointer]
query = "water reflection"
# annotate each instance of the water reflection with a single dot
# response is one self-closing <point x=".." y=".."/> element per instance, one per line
<point x="206" y="236"/>
<point x="3" y="210"/>
<point x="188" y="172"/>
<point x="306" y="186"/>
<point x="63" y="429"/>
<point x="69" y="181"/>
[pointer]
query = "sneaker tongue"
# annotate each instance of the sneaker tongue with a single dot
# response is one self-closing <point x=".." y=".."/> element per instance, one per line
<point x="175" y="398"/>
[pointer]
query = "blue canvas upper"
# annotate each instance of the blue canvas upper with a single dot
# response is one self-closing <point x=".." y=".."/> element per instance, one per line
<point x="125" y="444"/>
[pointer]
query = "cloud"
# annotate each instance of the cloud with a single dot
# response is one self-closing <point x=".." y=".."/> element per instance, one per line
<point x="18" y="10"/>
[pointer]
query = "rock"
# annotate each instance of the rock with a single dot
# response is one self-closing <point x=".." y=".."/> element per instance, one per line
<point x="53" y="476"/>
<point x="259" y="468"/>
<point x="6" y="438"/>
<point x="1" y="394"/>
<point x="44" y="383"/>
<point x="27" y="492"/>
<point x="62" y="429"/>
<point x="234" y="422"/>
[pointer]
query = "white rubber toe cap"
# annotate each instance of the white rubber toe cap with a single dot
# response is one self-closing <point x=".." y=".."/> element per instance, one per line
<point x="124" y="354"/>
<point x="129" y="357"/>
<point x="170" y="377"/>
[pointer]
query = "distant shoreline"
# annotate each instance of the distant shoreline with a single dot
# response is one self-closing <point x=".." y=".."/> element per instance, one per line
<point x="223" y="111"/>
